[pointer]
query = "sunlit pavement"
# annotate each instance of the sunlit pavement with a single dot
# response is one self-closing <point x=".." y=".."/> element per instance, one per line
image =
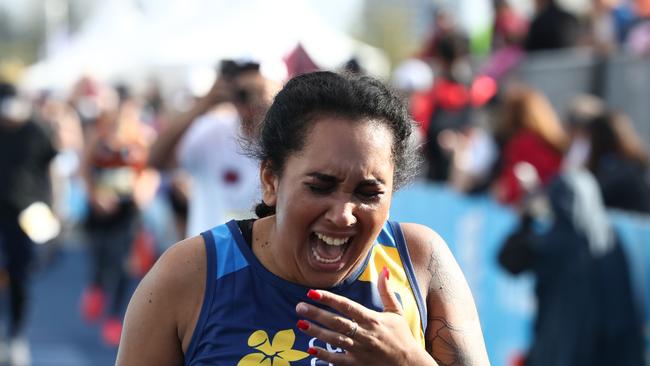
<point x="57" y="334"/>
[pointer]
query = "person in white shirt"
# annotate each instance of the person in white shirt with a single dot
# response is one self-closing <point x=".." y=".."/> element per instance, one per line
<point x="206" y="143"/>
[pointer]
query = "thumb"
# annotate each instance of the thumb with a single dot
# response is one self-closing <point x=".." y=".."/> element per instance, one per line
<point x="388" y="298"/>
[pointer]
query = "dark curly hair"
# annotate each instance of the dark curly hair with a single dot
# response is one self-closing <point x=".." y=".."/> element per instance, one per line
<point x="311" y="96"/>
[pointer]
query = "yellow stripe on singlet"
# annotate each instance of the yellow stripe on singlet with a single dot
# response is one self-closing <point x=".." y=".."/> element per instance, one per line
<point x="389" y="256"/>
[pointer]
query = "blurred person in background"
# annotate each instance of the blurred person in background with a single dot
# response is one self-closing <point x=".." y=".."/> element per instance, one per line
<point x="586" y="311"/>
<point x="205" y="142"/>
<point x="551" y="28"/>
<point x="88" y="100"/>
<point x="583" y="109"/>
<point x="529" y="131"/>
<point x="414" y="78"/>
<point x="452" y="125"/>
<point x="509" y="33"/>
<point x="117" y="186"/>
<point x="619" y="161"/>
<point x="445" y="24"/>
<point x="449" y="110"/>
<point x="154" y="106"/>
<point x="66" y="126"/>
<point x="475" y="155"/>
<point x="509" y="26"/>
<point x="637" y="41"/>
<point x="68" y="200"/>
<point x="608" y="24"/>
<point x="26" y="151"/>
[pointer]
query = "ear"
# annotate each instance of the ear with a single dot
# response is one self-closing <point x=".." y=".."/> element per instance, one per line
<point x="269" y="181"/>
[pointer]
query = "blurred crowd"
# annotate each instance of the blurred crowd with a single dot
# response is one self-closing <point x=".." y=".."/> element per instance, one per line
<point x="128" y="172"/>
<point x="483" y="129"/>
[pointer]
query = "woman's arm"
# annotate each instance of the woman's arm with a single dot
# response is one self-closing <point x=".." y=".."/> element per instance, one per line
<point x="162" y="153"/>
<point x="453" y="335"/>
<point x="165" y="307"/>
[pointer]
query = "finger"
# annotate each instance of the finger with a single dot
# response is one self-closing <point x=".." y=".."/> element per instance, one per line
<point x="343" y="305"/>
<point x="328" y="336"/>
<point x="334" y="358"/>
<point x="327" y="319"/>
<point x="387" y="295"/>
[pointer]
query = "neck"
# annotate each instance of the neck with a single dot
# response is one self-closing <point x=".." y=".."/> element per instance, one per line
<point x="264" y="236"/>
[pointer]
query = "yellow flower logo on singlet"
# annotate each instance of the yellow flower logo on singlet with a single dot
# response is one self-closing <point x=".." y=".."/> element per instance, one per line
<point x="278" y="352"/>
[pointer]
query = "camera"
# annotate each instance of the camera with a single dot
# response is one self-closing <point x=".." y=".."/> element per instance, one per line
<point x="233" y="68"/>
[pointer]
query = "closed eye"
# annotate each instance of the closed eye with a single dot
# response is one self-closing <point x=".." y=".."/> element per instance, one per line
<point x="321" y="183"/>
<point x="369" y="194"/>
<point x="320" y="188"/>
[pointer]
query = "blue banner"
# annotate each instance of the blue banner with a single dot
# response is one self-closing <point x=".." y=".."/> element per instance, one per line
<point x="474" y="227"/>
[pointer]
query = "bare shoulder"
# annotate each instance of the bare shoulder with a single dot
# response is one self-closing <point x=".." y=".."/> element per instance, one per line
<point x="183" y="263"/>
<point x="433" y="262"/>
<point x="453" y="335"/>
<point x="179" y="271"/>
<point x="164" y="308"/>
<point x="421" y="241"/>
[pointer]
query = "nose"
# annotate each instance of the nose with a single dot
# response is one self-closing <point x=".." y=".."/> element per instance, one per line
<point x="342" y="214"/>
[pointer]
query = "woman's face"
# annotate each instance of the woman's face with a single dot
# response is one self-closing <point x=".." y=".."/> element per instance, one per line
<point x="331" y="200"/>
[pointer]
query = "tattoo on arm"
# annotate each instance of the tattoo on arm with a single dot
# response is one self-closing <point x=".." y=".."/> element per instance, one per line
<point x="440" y="280"/>
<point x="442" y="337"/>
<point x="447" y="352"/>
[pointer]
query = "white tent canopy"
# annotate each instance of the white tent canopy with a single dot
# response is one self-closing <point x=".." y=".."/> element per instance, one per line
<point x="121" y="41"/>
<point x="103" y="47"/>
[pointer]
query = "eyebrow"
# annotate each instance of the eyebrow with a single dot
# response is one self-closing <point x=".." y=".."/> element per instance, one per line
<point x="332" y="179"/>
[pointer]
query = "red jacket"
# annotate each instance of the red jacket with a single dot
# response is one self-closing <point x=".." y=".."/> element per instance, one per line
<point x="526" y="146"/>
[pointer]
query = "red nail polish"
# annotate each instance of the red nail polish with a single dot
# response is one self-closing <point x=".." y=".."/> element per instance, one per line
<point x="312" y="351"/>
<point x="302" y="325"/>
<point x="314" y="295"/>
<point x="386" y="273"/>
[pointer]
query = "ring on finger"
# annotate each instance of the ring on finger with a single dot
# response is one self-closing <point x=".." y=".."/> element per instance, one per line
<point x="353" y="330"/>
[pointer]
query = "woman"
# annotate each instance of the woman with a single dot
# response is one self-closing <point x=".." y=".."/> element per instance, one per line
<point x="531" y="133"/>
<point x="321" y="270"/>
<point x="114" y="173"/>
<point x="586" y="312"/>
<point x="619" y="161"/>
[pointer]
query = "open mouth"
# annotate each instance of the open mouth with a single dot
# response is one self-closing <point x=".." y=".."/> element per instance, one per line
<point x="328" y="251"/>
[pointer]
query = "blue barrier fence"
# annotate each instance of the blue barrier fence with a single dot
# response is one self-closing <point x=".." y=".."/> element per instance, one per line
<point x="474" y="228"/>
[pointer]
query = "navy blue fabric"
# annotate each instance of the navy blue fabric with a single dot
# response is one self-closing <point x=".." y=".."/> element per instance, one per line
<point x="250" y="312"/>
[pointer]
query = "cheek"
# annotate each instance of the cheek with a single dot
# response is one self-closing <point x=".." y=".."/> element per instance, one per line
<point x="296" y="209"/>
<point x="374" y="217"/>
<point x="383" y="206"/>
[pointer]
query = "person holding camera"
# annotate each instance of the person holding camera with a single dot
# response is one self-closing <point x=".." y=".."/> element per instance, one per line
<point x="205" y="143"/>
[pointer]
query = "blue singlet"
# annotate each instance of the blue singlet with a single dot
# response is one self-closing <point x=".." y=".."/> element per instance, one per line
<point x="248" y="315"/>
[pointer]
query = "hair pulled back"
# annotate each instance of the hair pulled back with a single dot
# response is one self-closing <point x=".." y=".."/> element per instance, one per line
<point x="311" y="96"/>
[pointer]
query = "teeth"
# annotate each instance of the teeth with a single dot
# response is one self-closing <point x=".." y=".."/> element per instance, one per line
<point x="332" y="241"/>
<point x="325" y="260"/>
